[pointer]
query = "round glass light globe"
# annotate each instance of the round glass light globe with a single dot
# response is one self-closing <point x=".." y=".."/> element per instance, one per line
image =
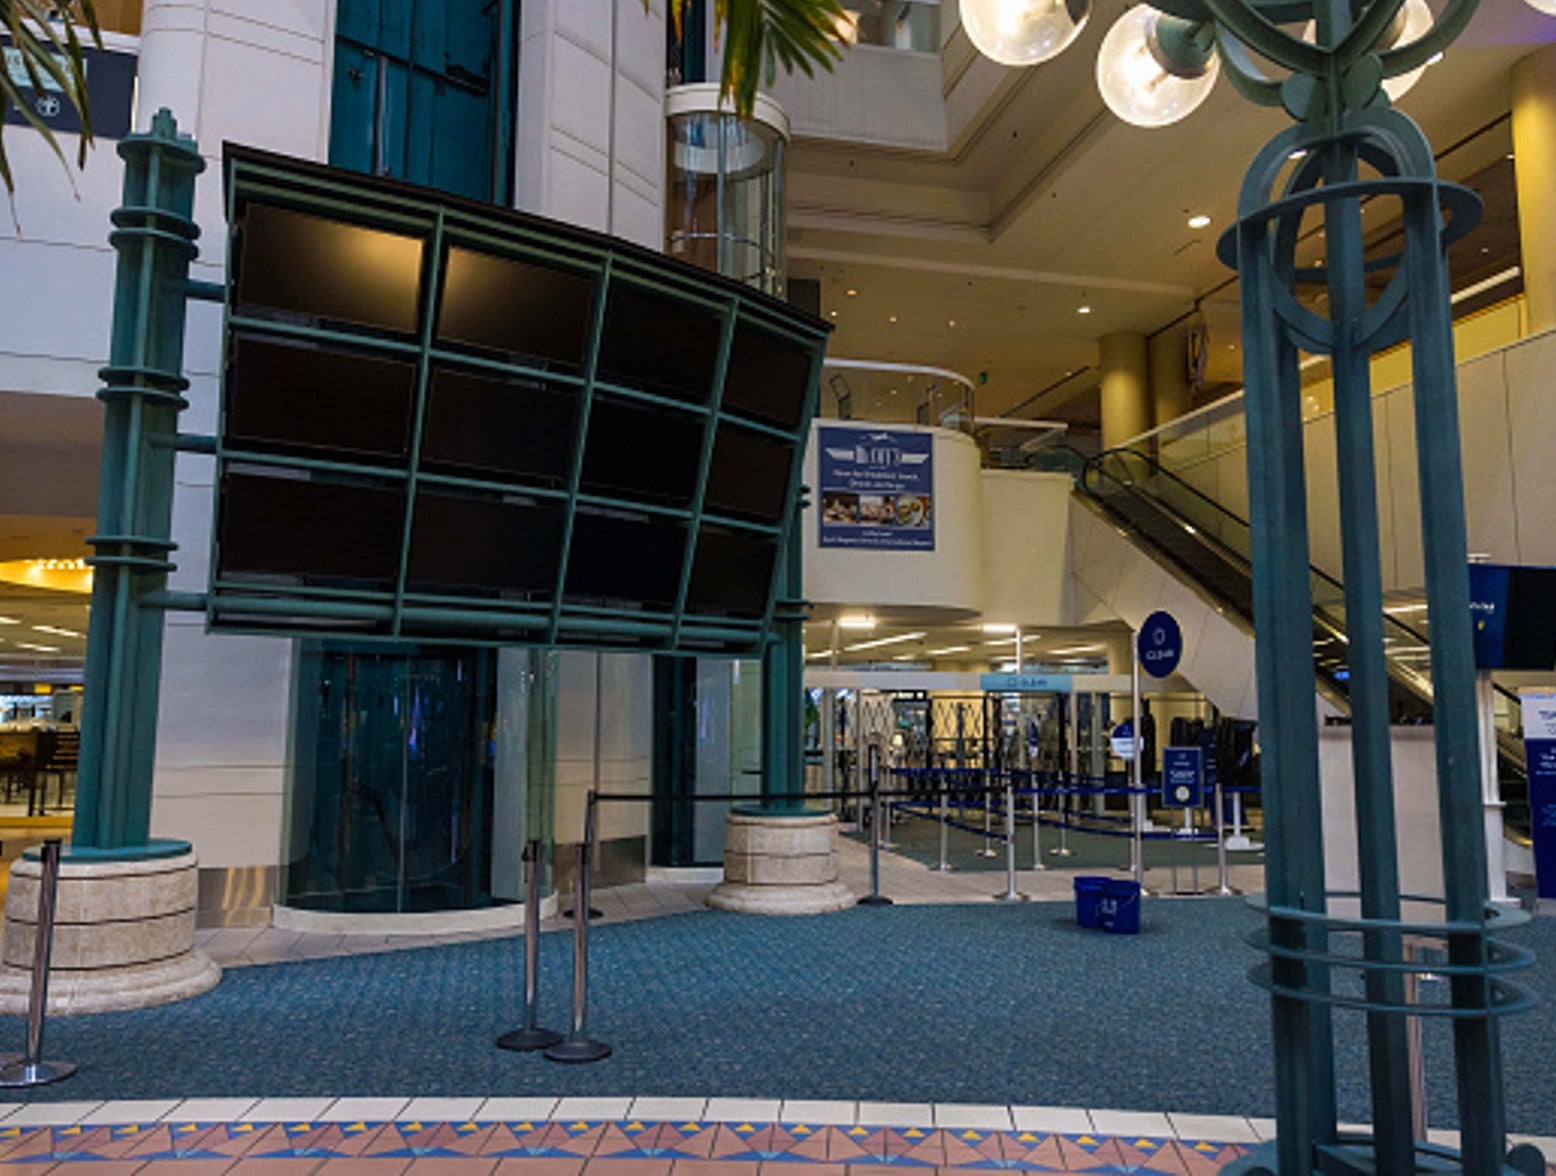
<point x="1135" y="85"/>
<point x="1417" y="22"/>
<point x="1023" y="32"/>
<point x="1546" y="6"/>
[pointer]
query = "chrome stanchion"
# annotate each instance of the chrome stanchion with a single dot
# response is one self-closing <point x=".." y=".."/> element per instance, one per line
<point x="579" y="1047"/>
<point x="1065" y="808"/>
<point x="1010" y="893"/>
<point x="875" y="897"/>
<point x="943" y="866"/>
<point x="31" y="1069"/>
<point x="988" y="849"/>
<point x="529" y="1036"/>
<point x="1221" y="880"/>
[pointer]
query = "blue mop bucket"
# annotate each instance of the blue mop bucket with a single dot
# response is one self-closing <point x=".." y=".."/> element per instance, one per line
<point x="1088" y="893"/>
<point x="1118" y="907"/>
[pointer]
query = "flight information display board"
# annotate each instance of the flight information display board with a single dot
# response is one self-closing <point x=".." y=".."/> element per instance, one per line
<point x="442" y="420"/>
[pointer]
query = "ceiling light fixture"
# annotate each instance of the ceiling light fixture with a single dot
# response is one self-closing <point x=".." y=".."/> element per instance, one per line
<point x="1083" y="309"/>
<point x="998" y="627"/>
<point x="1154" y="69"/>
<point x="950" y="649"/>
<point x="1199" y="221"/>
<point x="851" y="292"/>
<point x="37" y="648"/>
<point x="880" y="641"/>
<point x="1023" y="32"/>
<point x="856" y="622"/>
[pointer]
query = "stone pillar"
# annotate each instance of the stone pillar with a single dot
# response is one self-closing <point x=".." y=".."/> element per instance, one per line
<point x="780" y="865"/>
<point x="1534" y="164"/>
<point x="1126" y="394"/>
<point x="1171" y="391"/>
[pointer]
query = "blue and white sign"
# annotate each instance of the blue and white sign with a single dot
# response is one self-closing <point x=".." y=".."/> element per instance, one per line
<point x="110" y="78"/>
<point x="1123" y="741"/>
<point x="877" y="489"/>
<point x="1160" y="644"/>
<point x="1539" y="713"/>
<point x="1026" y="683"/>
<point x="1183" y="777"/>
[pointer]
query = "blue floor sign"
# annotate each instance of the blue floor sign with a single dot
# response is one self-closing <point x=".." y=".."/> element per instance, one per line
<point x="1183" y="777"/>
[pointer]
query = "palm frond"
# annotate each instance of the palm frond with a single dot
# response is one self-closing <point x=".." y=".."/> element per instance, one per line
<point x="49" y="49"/>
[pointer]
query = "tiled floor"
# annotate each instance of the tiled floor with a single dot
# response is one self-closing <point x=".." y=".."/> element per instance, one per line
<point x="610" y="1137"/>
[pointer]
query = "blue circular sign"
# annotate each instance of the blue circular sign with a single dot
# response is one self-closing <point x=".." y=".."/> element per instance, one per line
<point x="1160" y="644"/>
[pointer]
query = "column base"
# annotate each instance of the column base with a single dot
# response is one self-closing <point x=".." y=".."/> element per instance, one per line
<point x="780" y="865"/>
<point x="123" y="935"/>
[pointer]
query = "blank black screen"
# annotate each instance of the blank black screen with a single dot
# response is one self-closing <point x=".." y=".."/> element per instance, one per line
<point x="642" y="452"/>
<point x="484" y="544"/>
<point x="291" y="395"/>
<point x="313" y="529"/>
<point x="516" y="426"/>
<point x="662" y="346"/>
<point x="731" y="573"/>
<point x="515" y="307"/>
<point x="768" y="377"/>
<point x="625" y="558"/>
<point x="749" y="476"/>
<point x="328" y="269"/>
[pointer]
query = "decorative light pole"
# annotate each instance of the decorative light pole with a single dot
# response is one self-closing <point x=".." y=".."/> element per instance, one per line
<point x="1344" y="62"/>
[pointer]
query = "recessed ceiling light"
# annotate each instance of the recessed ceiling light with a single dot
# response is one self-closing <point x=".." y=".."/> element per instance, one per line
<point x="1083" y="310"/>
<point x="856" y="622"/>
<point x="1199" y="221"/>
<point x="891" y="318"/>
<point x="833" y="313"/>
<point x="997" y="627"/>
<point x="9" y="621"/>
<point x="850" y="291"/>
<point x="950" y="649"/>
<point x="950" y="322"/>
<point x="37" y="648"/>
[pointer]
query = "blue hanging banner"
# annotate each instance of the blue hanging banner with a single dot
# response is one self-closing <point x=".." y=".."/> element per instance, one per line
<point x="1183" y="777"/>
<point x="1539" y="713"/>
<point x="1160" y="644"/>
<point x="877" y="489"/>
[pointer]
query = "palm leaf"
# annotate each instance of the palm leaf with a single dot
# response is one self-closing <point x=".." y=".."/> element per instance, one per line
<point x="759" y="36"/>
<point x="50" y="52"/>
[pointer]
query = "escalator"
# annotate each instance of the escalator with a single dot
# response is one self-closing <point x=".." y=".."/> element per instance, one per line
<point x="1210" y="546"/>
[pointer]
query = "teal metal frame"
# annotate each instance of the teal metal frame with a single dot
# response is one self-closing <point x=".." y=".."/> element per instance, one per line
<point x="143" y="387"/>
<point x="401" y="612"/>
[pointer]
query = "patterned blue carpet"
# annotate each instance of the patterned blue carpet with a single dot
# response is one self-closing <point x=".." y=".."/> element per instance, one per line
<point x="976" y="1004"/>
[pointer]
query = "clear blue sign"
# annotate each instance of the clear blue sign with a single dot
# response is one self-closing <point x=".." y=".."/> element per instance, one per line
<point x="1183" y="777"/>
<point x="1026" y="683"/>
<point x="877" y="489"/>
<point x="1160" y="644"/>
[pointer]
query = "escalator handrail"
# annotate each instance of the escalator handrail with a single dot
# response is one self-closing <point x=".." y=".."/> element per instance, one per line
<point x="1095" y="464"/>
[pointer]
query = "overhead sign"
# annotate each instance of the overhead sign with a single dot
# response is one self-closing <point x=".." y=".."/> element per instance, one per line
<point x="1027" y="683"/>
<point x="1514" y="611"/>
<point x="1183" y="777"/>
<point x="1539" y="715"/>
<point x="110" y="79"/>
<point x="1160" y="644"/>
<point x="1123" y="740"/>
<point x="877" y="488"/>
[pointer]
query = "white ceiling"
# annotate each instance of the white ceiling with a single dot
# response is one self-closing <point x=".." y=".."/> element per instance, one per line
<point x="1048" y="203"/>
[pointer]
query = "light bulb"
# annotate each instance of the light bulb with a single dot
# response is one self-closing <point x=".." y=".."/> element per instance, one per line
<point x="1414" y="22"/>
<point x="1139" y="78"/>
<point x="1023" y="32"/>
<point x="1546" y="6"/>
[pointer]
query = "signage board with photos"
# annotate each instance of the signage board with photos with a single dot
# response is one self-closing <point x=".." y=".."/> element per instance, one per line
<point x="877" y="488"/>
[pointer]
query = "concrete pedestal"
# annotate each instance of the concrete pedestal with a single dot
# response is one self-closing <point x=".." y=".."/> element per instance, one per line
<point x="780" y="865"/>
<point x="123" y="936"/>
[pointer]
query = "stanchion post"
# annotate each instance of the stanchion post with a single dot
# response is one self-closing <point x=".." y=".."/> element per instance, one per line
<point x="530" y="1036"/>
<point x="875" y="897"/>
<point x="1222" y="886"/>
<point x="579" y="1047"/>
<point x="31" y="1069"/>
<point x="988" y="849"/>
<point x="1137" y="793"/>
<point x="943" y="866"/>
<point x="1010" y="893"/>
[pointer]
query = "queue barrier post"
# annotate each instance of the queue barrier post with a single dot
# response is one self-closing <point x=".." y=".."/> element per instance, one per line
<point x="988" y="849"/>
<point x="30" y="1069"/>
<point x="529" y="1036"/>
<point x="943" y="866"/>
<point x="875" y="897"/>
<point x="1222" y="887"/>
<point x="1010" y="893"/>
<point x="579" y="1046"/>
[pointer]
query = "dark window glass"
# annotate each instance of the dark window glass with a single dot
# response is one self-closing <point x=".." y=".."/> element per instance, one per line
<point x="459" y="542"/>
<point x="658" y="344"/>
<point x="328" y="269"/>
<point x="768" y="377"/>
<point x="642" y="452"/>
<point x="749" y="476"/>
<point x="309" y="397"/>
<point x="309" y="529"/>
<point x="629" y="558"/>
<point x="520" y="427"/>
<point x="732" y="573"/>
<point x="516" y="308"/>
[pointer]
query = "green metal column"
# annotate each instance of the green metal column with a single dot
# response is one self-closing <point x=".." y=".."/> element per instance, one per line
<point x="783" y="683"/>
<point x="143" y="390"/>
